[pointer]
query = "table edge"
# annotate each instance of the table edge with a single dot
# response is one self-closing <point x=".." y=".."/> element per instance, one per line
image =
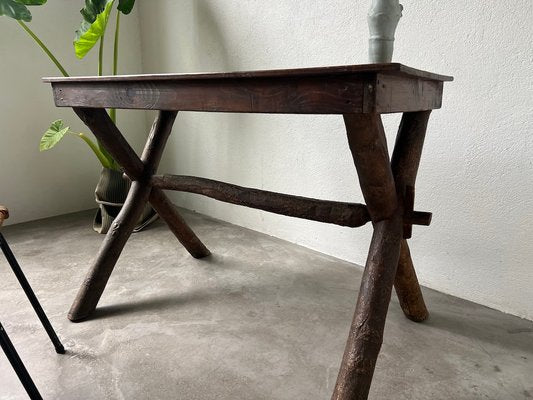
<point x="389" y="68"/>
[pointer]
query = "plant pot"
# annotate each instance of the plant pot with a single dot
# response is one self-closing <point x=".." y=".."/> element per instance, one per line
<point x="383" y="19"/>
<point x="110" y="194"/>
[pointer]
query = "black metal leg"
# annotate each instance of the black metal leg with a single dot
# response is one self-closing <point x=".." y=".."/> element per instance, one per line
<point x="18" y="365"/>
<point x="31" y="296"/>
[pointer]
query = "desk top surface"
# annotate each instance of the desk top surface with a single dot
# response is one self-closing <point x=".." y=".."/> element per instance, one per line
<point x="337" y="71"/>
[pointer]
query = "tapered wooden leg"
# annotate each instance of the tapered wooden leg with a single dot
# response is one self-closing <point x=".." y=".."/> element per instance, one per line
<point x="177" y="224"/>
<point x="161" y="203"/>
<point x="368" y="145"/>
<point x="121" y="229"/>
<point x="405" y="162"/>
<point x="107" y="133"/>
<point x="140" y="170"/>
<point x="101" y="125"/>
<point x="366" y="332"/>
<point x="408" y="289"/>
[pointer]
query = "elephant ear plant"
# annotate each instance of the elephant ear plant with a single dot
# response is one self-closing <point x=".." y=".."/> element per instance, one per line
<point x="112" y="188"/>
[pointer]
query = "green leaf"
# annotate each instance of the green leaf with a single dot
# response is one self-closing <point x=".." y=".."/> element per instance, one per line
<point x="89" y="33"/>
<point x="92" y="9"/>
<point x="31" y="2"/>
<point x="125" y="6"/>
<point x="15" y="10"/>
<point x="53" y="135"/>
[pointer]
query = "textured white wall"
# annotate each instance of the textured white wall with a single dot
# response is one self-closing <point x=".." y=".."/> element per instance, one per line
<point x="37" y="185"/>
<point x="476" y="173"/>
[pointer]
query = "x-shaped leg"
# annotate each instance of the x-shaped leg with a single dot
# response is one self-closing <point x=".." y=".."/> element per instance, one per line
<point x="405" y="162"/>
<point x="140" y="171"/>
<point x="384" y="185"/>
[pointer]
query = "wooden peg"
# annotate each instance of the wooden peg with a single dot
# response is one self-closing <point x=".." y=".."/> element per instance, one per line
<point x="4" y="214"/>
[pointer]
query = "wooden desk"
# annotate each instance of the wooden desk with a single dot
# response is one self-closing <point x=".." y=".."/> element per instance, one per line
<point x="359" y="92"/>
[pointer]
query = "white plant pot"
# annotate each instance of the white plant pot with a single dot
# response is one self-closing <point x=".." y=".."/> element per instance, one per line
<point x="383" y="19"/>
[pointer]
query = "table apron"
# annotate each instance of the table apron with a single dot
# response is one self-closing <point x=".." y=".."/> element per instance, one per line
<point x="303" y="95"/>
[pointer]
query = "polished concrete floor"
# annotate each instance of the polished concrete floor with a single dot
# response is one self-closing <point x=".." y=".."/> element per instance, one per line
<point x="260" y="319"/>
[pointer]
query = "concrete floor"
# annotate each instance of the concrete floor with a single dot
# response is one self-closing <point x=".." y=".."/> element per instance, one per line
<point x="260" y="319"/>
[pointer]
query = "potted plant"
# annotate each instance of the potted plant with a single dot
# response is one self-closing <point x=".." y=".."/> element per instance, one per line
<point x="112" y="187"/>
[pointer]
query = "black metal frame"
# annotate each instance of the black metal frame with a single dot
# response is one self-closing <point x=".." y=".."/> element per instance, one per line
<point x="5" y="342"/>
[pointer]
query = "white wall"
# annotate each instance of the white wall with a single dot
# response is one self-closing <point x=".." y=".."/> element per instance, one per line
<point x="35" y="185"/>
<point x="476" y="171"/>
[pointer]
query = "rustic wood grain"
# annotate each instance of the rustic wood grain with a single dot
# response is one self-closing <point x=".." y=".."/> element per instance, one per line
<point x="368" y="145"/>
<point x="96" y="280"/>
<point x="333" y="212"/>
<point x="156" y="142"/>
<point x="4" y="214"/>
<point x="405" y="163"/>
<point x="408" y="147"/>
<point x="408" y="288"/>
<point x="141" y="170"/>
<point x="101" y="125"/>
<point x="168" y="212"/>
<point x="361" y="93"/>
<point x="151" y="156"/>
<point x="366" y="331"/>
<point x="388" y="68"/>
<point x="313" y="95"/>
<point x="400" y="94"/>
<point x="375" y="88"/>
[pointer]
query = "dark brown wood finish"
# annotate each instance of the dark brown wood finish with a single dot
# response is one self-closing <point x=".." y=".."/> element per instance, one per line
<point x="141" y="170"/>
<point x="101" y="125"/>
<point x="361" y="93"/>
<point x="262" y="95"/>
<point x="96" y="280"/>
<point x="332" y="90"/>
<point x="406" y="157"/>
<point x="177" y="224"/>
<point x="405" y="162"/>
<point x="152" y="153"/>
<point x="368" y="145"/>
<point x="408" y="288"/>
<point x="4" y="214"/>
<point x="342" y="70"/>
<point x="109" y="135"/>
<point x="161" y="203"/>
<point x="333" y="212"/>
<point x="381" y="270"/>
<point x="156" y="142"/>
<point x="394" y="94"/>
<point x="366" y="332"/>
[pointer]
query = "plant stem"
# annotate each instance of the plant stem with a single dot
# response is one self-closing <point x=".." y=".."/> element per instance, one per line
<point x="115" y="49"/>
<point x="43" y="47"/>
<point x="101" y="57"/>
<point x="113" y="112"/>
<point x="101" y="157"/>
<point x="109" y="160"/>
<point x="113" y="115"/>
<point x="103" y="151"/>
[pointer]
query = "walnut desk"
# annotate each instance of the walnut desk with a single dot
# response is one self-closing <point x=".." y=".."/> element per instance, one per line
<point x="360" y="93"/>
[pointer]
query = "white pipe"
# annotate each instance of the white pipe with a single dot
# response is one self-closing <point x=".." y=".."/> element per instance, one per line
<point x="383" y="19"/>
